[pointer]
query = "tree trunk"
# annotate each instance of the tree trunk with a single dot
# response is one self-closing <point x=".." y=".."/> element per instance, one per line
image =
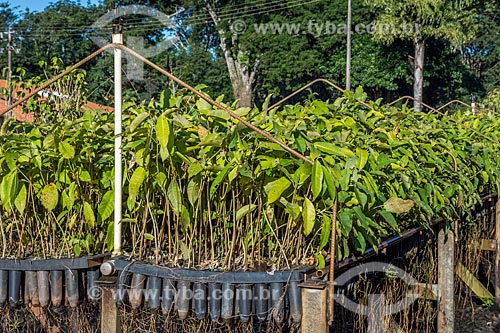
<point x="418" y="83"/>
<point x="242" y="75"/>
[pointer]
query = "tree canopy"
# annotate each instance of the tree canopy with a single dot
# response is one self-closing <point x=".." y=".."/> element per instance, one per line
<point x="247" y="50"/>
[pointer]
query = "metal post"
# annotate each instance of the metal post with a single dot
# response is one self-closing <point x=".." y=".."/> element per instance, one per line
<point x="446" y="263"/>
<point x="349" y="46"/>
<point x="497" y="254"/>
<point x="118" y="39"/>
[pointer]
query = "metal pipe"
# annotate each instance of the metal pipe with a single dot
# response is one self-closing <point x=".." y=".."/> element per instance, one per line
<point x="349" y="46"/>
<point x="117" y="244"/>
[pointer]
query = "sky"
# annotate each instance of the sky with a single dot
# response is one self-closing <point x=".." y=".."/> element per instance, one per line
<point x="39" y="5"/>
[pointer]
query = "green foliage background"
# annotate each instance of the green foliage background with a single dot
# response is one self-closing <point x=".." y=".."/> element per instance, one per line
<point x="203" y="190"/>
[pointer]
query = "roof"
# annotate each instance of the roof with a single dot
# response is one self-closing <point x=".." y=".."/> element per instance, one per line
<point x="29" y="117"/>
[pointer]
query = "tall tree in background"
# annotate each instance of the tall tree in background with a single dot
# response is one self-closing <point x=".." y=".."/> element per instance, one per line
<point x="242" y="68"/>
<point x="419" y="20"/>
<point x="482" y="55"/>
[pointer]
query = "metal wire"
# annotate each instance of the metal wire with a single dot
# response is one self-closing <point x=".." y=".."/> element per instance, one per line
<point x="445" y="116"/>
<point x="296" y="92"/>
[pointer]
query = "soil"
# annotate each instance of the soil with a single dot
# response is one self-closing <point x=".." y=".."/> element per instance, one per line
<point x="478" y="319"/>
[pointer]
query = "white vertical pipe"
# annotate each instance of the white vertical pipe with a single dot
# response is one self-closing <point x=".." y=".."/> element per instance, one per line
<point x="349" y="46"/>
<point x="117" y="247"/>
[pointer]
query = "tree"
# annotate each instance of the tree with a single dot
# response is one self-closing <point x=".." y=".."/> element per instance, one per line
<point x="419" y="20"/>
<point x="58" y="31"/>
<point x="7" y="19"/>
<point x="482" y="55"/>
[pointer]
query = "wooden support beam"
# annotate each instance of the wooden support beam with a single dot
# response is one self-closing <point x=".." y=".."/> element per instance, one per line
<point x="446" y="304"/>
<point x="472" y="282"/>
<point x="110" y="314"/>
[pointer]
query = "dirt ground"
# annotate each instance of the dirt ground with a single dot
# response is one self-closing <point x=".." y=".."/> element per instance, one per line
<point x="477" y="319"/>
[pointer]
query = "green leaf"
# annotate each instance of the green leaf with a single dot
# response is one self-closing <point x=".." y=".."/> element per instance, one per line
<point x="106" y="207"/>
<point x="163" y="131"/>
<point x="276" y="188"/>
<point x="345" y="219"/>
<point x="203" y="105"/>
<point x="149" y="237"/>
<point x="361" y="216"/>
<point x="174" y="196"/>
<point x="362" y="158"/>
<point x="49" y="196"/>
<point x="185" y="219"/>
<point x="360" y="243"/>
<point x="88" y="213"/>
<point x="362" y="197"/>
<point x="138" y="120"/>
<point x="321" y="261"/>
<point x="332" y="149"/>
<point x="330" y="184"/>
<point x="77" y="249"/>
<point x="20" y="201"/>
<point x="193" y="191"/>
<point x="110" y="234"/>
<point x="398" y="205"/>
<point x="317" y="179"/>
<point x="389" y="219"/>
<point x="184" y="251"/>
<point x="49" y="141"/>
<point x="219" y="114"/>
<point x="66" y="149"/>
<point x="220" y="177"/>
<point x="134" y="185"/>
<point x="85" y="176"/>
<point x="245" y="210"/>
<point x="195" y="169"/>
<point x="8" y="189"/>
<point x="308" y="215"/>
<point x="302" y="174"/>
<point x="326" y="230"/>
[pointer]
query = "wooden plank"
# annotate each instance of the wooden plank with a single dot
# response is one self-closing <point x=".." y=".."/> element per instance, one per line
<point x="472" y="282"/>
<point x="110" y="314"/>
<point x="446" y="304"/>
<point x="486" y="245"/>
